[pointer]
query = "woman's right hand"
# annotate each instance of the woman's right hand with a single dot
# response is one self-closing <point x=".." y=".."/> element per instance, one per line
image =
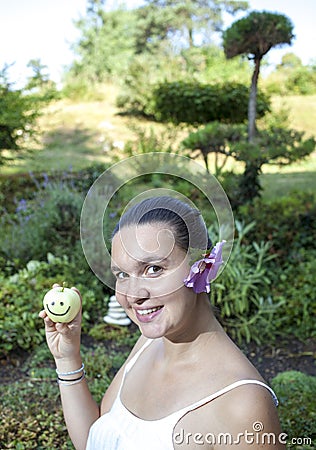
<point x="63" y="339"/>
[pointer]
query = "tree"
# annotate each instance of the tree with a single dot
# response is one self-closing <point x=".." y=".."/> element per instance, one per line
<point x="274" y="145"/>
<point x="106" y="44"/>
<point x="185" y="20"/>
<point x="217" y="138"/>
<point x="292" y="77"/>
<point x="19" y="111"/>
<point x="111" y="40"/>
<point x="254" y="36"/>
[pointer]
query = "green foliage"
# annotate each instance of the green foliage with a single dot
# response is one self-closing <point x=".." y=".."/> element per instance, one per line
<point x="21" y="299"/>
<point x="184" y="22"/>
<point x="197" y="103"/>
<point x="215" y="138"/>
<point x="19" y="111"/>
<point x="149" y="141"/>
<point x="112" y="40"/>
<point x="291" y="77"/>
<point x="139" y="80"/>
<point x="296" y="392"/>
<point x="242" y="292"/>
<point x="49" y="222"/>
<point x="273" y="145"/>
<point x="205" y="65"/>
<point x="257" y="33"/>
<point x="295" y="288"/>
<point x="105" y="46"/>
<point x="289" y="223"/>
<point x="28" y="422"/>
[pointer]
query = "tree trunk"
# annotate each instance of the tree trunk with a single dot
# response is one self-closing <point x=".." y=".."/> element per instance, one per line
<point x="190" y="32"/>
<point x="205" y="157"/>
<point x="252" y="105"/>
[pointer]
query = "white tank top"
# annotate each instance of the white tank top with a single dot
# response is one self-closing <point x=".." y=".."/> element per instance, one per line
<point x="119" y="429"/>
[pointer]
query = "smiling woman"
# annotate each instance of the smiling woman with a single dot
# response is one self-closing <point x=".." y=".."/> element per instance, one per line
<point x="184" y="379"/>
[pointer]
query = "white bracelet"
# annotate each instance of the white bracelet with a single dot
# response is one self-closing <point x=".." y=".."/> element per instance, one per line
<point x="73" y="372"/>
<point x="71" y="382"/>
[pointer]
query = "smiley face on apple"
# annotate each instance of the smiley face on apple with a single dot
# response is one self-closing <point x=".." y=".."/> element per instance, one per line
<point x="61" y="304"/>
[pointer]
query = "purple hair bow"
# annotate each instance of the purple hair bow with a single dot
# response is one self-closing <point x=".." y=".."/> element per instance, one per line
<point x="202" y="272"/>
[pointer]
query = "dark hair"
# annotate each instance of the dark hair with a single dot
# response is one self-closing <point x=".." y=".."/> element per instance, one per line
<point x="186" y="222"/>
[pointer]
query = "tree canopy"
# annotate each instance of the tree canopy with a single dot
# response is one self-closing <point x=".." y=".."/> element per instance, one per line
<point x="110" y="40"/>
<point x="254" y="36"/>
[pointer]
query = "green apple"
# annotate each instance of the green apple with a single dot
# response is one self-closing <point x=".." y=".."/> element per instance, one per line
<point x="61" y="304"/>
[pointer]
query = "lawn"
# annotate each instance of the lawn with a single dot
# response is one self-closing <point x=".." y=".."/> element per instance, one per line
<point x="75" y="135"/>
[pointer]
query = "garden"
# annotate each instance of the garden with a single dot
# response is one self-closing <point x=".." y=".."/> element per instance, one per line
<point x="265" y="298"/>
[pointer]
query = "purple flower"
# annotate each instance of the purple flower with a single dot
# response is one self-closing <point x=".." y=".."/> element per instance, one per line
<point x="22" y="206"/>
<point x="202" y="272"/>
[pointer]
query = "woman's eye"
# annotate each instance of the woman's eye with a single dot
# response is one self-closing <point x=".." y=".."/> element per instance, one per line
<point x="153" y="270"/>
<point x="121" y="275"/>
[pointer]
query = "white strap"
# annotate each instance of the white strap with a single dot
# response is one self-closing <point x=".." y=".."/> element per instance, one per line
<point x="132" y="361"/>
<point x="217" y="394"/>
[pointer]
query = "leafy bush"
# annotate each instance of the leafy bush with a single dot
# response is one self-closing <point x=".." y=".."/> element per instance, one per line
<point x="49" y="222"/>
<point x="215" y="137"/>
<point x="242" y="292"/>
<point x="296" y="392"/>
<point x="289" y="223"/>
<point x="28" y="422"/>
<point x="15" y="187"/>
<point x="193" y="103"/>
<point x="295" y="288"/>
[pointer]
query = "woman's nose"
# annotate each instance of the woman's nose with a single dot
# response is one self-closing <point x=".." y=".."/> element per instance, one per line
<point x="136" y="291"/>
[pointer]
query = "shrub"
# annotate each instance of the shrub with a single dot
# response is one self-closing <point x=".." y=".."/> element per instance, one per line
<point x="194" y="103"/>
<point x="296" y="392"/>
<point x="49" y="222"/>
<point x="288" y="223"/>
<point x="28" y="422"/>
<point x="295" y="288"/>
<point x="242" y="292"/>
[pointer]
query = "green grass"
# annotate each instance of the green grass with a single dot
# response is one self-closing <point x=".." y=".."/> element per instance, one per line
<point x="301" y="110"/>
<point x="75" y="135"/>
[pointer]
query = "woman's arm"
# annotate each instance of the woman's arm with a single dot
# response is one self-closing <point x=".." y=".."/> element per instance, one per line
<point x="79" y="408"/>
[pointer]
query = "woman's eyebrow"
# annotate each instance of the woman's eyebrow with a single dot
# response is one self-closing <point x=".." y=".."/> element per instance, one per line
<point x="149" y="259"/>
<point x="153" y="259"/>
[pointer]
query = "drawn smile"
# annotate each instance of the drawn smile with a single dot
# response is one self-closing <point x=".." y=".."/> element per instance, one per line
<point x="55" y="314"/>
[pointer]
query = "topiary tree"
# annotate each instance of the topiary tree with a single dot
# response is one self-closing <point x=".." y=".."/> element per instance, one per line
<point x="254" y="36"/>
<point x="217" y="138"/>
<point x="274" y="145"/>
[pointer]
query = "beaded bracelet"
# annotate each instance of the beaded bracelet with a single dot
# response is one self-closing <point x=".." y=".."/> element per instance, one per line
<point x="73" y="372"/>
<point x="71" y="382"/>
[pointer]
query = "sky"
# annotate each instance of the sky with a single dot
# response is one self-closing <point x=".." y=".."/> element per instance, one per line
<point x="44" y="29"/>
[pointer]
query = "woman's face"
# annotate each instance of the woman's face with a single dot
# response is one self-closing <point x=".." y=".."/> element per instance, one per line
<point x="149" y="269"/>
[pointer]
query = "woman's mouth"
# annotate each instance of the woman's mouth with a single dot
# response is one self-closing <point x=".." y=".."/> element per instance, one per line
<point x="147" y="315"/>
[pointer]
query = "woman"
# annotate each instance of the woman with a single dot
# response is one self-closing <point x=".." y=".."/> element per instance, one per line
<point x="185" y="383"/>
